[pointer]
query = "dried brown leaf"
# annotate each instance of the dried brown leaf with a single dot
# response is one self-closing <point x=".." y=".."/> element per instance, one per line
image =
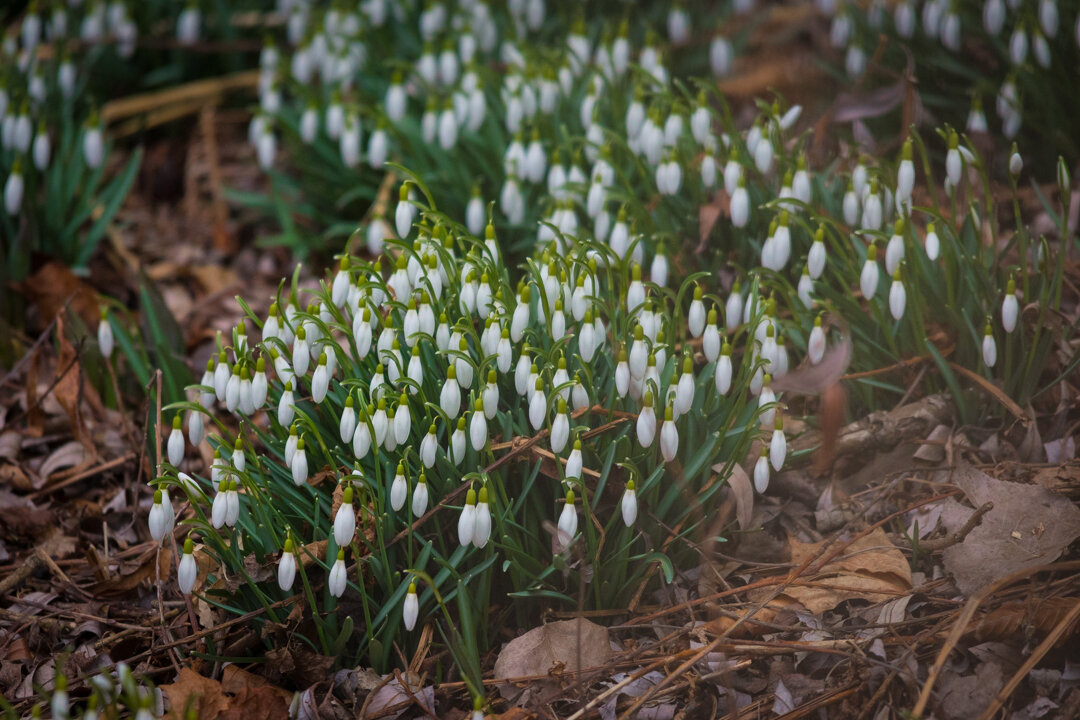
<point x="193" y="692"/>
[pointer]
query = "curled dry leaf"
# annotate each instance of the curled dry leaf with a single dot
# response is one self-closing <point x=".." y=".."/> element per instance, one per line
<point x="566" y="645"/>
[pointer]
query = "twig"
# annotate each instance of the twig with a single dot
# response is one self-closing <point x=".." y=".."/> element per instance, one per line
<point x="21" y="573"/>
<point x="957" y="537"/>
<point x="408" y="691"/>
<point x="83" y="475"/>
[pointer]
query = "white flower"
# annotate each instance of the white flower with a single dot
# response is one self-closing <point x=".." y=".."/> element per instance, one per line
<point x="761" y="471"/>
<point x="467" y="520"/>
<point x="187" y="25"/>
<point x="320" y="380"/>
<point x="767" y="399"/>
<point x="646" y="421"/>
<point x="482" y="520"/>
<point x="1010" y="307"/>
<point x="560" y="428"/>
<point x="897" y="297"/>
<point x="345" y="520"/>
<point x="622" y="374"/>
<point x="696" y="317"/>
<point x="568" y="521"/>
<point x="187" y="572"/>
<point x="410" y="611"/>
<point x="933" y="244"/>
<point x="428" y="446"/>
<point x="629" y="505"/>
<point x="740" y="205"/>
<point x="478" y="431"/>
<point x="816" y="344"/>
<point x="158" y="521"/>
<point x="720" y="56"/>
<point x="195" y="427"/>
<point x="778" y="445"/>
<point x="220" y="508"/>
<point x="815" y="261"/>
<point x="286" y="573"/>
<point x="457" y="443"/>
<point x="537" y="405"/>
<point x="105" y="337"/>
<point x="299" y="463"/>
<point x="420" y="496"/>
<point x="989" y="347"/>
<point x="13" y="190"/>
<point x="669" y="437"/>
<point x="176" y="442"/>
<point x="338" y="578"/>
<point x="868" y="280"/>
<point x="399" y="489"/>
<point x="404" y="213"/>
<point x="684" y="393"/>
<point x="42" y="150"/>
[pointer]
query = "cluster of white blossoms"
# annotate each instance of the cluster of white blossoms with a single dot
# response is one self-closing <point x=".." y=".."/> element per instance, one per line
<point x="1026" y="29"/>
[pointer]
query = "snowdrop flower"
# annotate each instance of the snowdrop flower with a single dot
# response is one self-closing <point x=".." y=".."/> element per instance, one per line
<point x="761" y="471"/>
<point x="232" y="505"/>
<point x="684" y="397"/>
<point x="158" y="521"/>
<point x="933" y="244"/>
<point x="560" y="428"/>
<point x="905" y="179"/>
<point x="989" y="347"/>
<point x="450" y="395"/>
<point x="187" y="572"/>
<point x="646" y="421"/>
<point x="301" y="353"/>
<point x="405" y="212"/>
<point x="868" y="280"/>
<point x="1018" y="45"/>
<point x="320" y="380"/>
<point x="568" y="521"/>
<point x="740" y="204"/>
<point x="872" y="208"/>
<point x="478" y="430"/>
<point x="195" y="427"/>
<point x="259" y="388"/>
<point x="399" y="489"/>
<point x="778" y="444"/>
<point x="410" y="611"/>
<point x="537" y="405"/>
<point x="721" y="56"/>
<point x="219" y="509"/>
<point x="765" y="399"/>
<point x="1010" y="307"/>
<point x="457" y="443"/>
<point x="622" y="374"/>
<point x="993" y="16"/>
<point x="815" y="346"/>
<point x="105" y="338"/>
<point x="420" y="496"/>
<point x="14" y="188"/>
<point x="894" y="252"/>
<point x="188" y="24"/>
<point x="345" y="520"/>
<point x="338" y="579"/>
<point x="954" y="162"/>
<point x="299" y="464"/>
<point x="851" y="206"/>
<point x="42" y="150"/>
<point x="467" y="520"/>
<point x="806" y="287"/>
<point x="482" y="526"/>
<point x="733" y="309"/>
<point x="176" y="442"/>
<point x="669" y="436"/>
<point x="897" y="296"/>
<point x="286" y="573"/>
<point x="696" y="316"/>
<point x="285" y="409"/>
<point x="396" y="102"/>
<point x="629" y="504"/>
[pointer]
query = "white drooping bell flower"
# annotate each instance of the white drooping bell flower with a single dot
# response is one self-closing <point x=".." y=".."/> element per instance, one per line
<point x="14" y="188"/>
<point x="669" y="436"/>
<point x="954" y="161"/>
<point x="105" y="337"/>
<point x="420" y="496"/>
<point x="285" y="410"/>
<point x="220" y="508"/>
<point x="767" y="400"/>
<point x="629" y="504"/>
<point x="299" y="463"/>
<point x="176" y="442"/>
<point x="733" y="308"/>
<point x="761" y="471"/>
<point x="646" y="421"/>
<point x="894" y="251"/>
<point x="622" y="374"/>
<point x="188" y="24"/>
<point x="868" y="280"/>
<point x="778" y="444"/>
<point x="897" y="296"/>
<point x="399" y="489"/>
<point x="286" y="573"/>
<point x="410" y="611"/>
<point x="1010" y="307"/>
<point x="989" y="346"/>
<point x="537" y="405"/>
<point x="560" y="428"/>
<point x="362" y="436"/>
<point x="338" y="579"/>
<point x="993" y="16"/>
<point x="710" y="341"/>
<point x="696" y="316"/>
<point x="345" y="520"/>
<point x="158" y="520"/>
<point x="482" y="519"/>
<point x="740" y="204"/>
<point x="466" y="526"/>
<point x="187" y="572"/>
<point x="458" y="442"/>
<point x="478" y="430"/>
<point x="196" y="428"/>
<point x="405" y="212"/>
<point x="568" y="521"/>
<point x="428" y="447"/>
<point x="320" y="380"/>
<point x="933" y="244"/>
<point x="723" y="370"/>
<point x="815" y="346"/>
